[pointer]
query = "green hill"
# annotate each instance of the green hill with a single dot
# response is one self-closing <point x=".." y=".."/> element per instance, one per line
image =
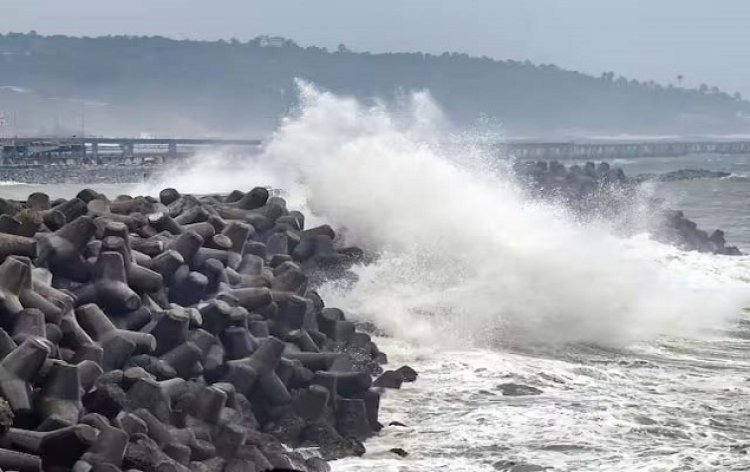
<point x="152" y="84"/>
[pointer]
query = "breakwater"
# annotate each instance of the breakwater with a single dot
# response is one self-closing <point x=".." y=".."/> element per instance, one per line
<point x="178" y="333"/>
<point x="605" y="191"/>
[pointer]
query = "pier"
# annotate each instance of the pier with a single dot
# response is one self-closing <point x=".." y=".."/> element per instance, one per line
<point x="36" y="151"/>
<point x="111" y="150"/>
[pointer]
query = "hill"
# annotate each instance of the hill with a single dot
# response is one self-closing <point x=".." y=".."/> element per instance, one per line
<point x="119" y="84"/>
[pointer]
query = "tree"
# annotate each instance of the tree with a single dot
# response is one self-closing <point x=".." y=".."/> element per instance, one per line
<point x="233" y="87"/>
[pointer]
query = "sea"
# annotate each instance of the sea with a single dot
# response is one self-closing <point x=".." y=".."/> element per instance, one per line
<point x="639" y="352"/>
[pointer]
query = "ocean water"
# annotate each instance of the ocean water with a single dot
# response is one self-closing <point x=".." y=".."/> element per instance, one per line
<point x="640" y="350"/>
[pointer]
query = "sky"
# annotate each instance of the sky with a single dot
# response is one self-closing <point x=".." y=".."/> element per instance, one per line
<point x="703" y="40"/>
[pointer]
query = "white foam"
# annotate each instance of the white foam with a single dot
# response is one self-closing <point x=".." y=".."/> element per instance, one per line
<point x="467" y="264"/>
<point x="464" y="256"/>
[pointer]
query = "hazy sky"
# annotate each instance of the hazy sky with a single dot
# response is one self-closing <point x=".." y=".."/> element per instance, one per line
<point x="704" y="40"/>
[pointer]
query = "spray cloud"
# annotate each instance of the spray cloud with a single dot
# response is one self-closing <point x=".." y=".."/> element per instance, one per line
<point x="464" y="256"/>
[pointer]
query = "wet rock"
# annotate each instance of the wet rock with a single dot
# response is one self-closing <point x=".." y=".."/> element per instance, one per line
<point x="332" y="444"/>
<point x="512" y="466"/>
<point x="518" y="390"/>
<point x="407" y="373"/>
<point x="316" y="464"/>
<point x="389" y="379"/>
<point x="351" y="418"/>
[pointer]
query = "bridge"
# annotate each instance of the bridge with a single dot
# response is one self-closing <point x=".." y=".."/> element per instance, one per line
<point x="21" y="151"/>
<point x="92" y="150"/>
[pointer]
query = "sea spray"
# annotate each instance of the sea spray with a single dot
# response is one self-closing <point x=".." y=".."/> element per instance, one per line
<point x="464" y="257"/>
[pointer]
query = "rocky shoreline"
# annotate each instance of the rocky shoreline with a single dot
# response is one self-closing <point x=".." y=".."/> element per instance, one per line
<point x="601" y="190"/>
<point x="176" y="334"/>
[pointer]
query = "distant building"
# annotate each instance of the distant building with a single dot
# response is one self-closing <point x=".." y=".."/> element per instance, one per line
<point x="272" y="41"/>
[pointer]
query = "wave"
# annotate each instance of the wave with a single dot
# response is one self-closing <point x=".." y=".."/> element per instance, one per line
<point x="465" y="258"/>
<point x="738" y="176"/>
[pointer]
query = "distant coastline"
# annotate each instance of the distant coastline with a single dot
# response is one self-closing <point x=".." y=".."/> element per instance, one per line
<point x="65" y="85"/>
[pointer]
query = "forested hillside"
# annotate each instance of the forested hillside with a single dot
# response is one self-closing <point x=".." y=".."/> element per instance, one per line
<point x="159" y="85"/>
